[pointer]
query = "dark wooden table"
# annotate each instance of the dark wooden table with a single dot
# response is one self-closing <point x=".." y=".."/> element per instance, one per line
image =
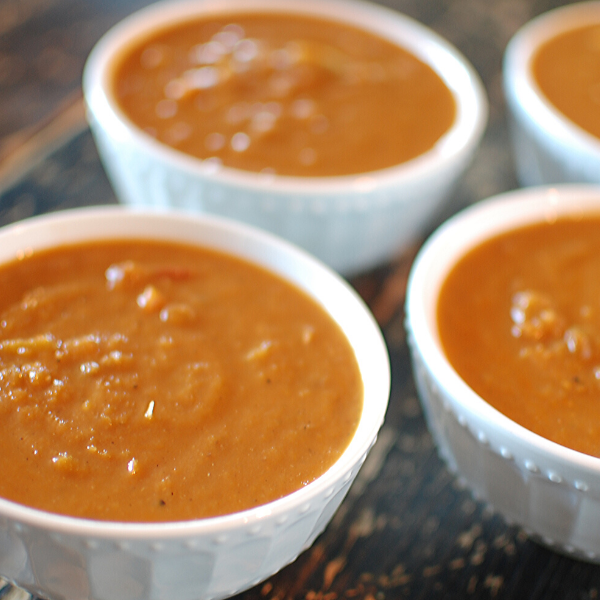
<point x="407" y="529"/>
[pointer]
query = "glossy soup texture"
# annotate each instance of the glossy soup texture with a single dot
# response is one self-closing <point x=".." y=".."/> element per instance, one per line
<point x="285" y="94"/>
<point x="154" y="382"/>
<point x="567" y="70"/>
<point x="519" y="319"/>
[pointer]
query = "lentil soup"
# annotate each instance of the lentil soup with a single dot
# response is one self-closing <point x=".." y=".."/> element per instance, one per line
<point x="519" y="319"/>
<point x="146" y="381"/>
<point x="567" y="69"/>
<point x="283" y="93"/>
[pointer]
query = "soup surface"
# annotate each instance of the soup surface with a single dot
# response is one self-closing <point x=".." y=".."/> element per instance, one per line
<point x="155" y="382"/>
<point x="519" y="319"/>
<point x="284" y="94"/>
<point x="567" y="69"/>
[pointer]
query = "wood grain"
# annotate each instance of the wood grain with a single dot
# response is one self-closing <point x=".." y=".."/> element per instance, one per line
<point x="407" y="528"/>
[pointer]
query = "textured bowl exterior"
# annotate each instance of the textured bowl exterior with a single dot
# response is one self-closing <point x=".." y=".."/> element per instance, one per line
<point x="351" y="223"/>
<point x="76" y="559"/>
<point x="548" y="148"/>
<point x="551" y="491"/>
<point x="189" y="566"/>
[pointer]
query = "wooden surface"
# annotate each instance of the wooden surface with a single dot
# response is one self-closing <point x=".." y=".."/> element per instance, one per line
<point x="406" y="529"/>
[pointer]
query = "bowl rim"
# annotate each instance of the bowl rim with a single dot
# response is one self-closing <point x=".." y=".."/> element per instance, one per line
<point x="450" y="242"/>
<point x="520" y="86"/>
<point x="446" y="60"/>
<point x="258" y="247"/>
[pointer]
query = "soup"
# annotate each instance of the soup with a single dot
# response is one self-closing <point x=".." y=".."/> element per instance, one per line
<point x="519" y="319"/>
<point x="283" y="93"/>
<point x="145" y="381"/>
<point x="567" y="69"/>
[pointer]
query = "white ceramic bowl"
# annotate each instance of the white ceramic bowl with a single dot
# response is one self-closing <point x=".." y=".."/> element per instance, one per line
<point x="352" y="223"/>
<point x="70" y="558"/>
<point x="548" y="147"/>
<point x="552" y="491"/>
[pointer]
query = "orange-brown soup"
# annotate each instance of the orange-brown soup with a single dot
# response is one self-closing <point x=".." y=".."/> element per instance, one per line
<point x="519" y="319"/>
<point x="285" y="94"/>
<point x="142" y="381"/>
<point x="567" y="70"/>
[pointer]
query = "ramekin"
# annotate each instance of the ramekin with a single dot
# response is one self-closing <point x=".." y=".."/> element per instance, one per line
<point x="548" y="147"/>
<point x="553" y="492"/>
<point x="352" y="223"/>
<point x="58" y="556"/>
